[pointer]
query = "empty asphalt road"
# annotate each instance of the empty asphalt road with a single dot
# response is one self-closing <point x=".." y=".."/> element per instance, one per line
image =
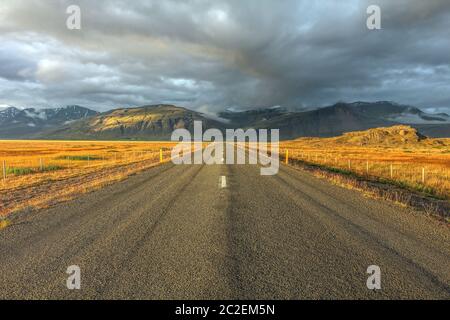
<point x="185" y="232"/>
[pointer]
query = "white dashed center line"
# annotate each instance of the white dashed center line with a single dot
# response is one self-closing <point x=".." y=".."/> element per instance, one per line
<point x="223" y="182"/>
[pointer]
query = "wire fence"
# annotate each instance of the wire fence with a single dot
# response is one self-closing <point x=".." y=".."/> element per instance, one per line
<point x="424" y="176"/>
<point x="33" y="169"/>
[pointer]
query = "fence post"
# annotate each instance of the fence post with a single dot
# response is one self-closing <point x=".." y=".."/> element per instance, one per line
<point x="4" y="170"/>
<point x="287" y="156"/>
<point x="160" y="155"/>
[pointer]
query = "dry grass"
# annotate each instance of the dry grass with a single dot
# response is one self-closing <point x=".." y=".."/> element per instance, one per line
<point x="40" y="173"/>
<point x="402" y="165"/>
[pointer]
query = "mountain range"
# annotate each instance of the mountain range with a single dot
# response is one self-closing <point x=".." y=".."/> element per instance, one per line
<point x="30" y="122"/>
<point x="156" y="122"/>
<point x="342" y="117"/>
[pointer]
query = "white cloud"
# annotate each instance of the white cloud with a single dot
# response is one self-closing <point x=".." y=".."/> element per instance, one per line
<point x="50" y="71"/>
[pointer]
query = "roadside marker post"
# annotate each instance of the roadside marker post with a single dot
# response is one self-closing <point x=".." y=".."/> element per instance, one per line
<point x="287" y="156"/>
<point x="392" y="171"/>
<point x="160" y="156"/>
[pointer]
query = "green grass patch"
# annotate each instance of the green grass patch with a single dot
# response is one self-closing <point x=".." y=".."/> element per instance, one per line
<point x="20" y="171"/>
<point x="52" y="168"/>
<point x="426" y="189"/>
<point x="79" y="158"/>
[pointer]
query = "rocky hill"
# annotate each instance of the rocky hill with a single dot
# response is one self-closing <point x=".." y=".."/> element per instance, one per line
<point x="395" y="136"/>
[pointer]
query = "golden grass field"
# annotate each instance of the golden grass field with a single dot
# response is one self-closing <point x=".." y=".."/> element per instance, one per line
<point x="39" y="173"/>
<point x="422" y="167"/>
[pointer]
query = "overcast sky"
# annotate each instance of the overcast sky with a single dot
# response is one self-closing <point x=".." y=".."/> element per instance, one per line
<point x="212" y="55"/>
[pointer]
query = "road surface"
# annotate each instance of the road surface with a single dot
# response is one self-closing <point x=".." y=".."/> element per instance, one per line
<point x="224" y="232"/>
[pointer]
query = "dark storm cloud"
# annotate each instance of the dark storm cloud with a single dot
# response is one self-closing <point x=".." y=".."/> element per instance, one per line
<point x="211" y="55"/>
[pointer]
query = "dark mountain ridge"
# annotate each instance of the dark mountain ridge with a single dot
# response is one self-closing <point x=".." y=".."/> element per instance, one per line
<point x="345" y="117"/>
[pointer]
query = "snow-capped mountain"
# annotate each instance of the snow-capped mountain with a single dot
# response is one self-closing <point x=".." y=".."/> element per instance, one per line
<point x="4" y="106"/>
<point x="17" y="123"/>
<point x="395" y="112"/>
